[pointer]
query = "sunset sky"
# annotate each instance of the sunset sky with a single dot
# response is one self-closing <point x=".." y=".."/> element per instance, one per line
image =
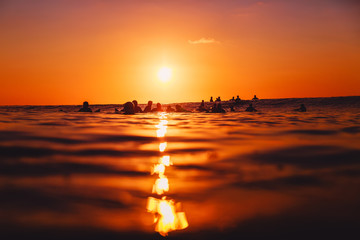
<point x="68" y="51"/>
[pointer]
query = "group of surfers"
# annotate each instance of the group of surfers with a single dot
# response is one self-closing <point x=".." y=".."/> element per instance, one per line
<point x="133" y="107"/>
<point x="233" y="99"/>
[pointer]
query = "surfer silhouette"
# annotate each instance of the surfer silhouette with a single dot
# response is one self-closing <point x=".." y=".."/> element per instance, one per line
<point x="85" y="107"/>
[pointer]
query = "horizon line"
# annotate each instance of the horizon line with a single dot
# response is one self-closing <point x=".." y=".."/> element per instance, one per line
<point x="1" y="105"/>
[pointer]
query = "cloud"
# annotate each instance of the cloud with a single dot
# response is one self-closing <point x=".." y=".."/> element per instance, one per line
<point x="203" y="41"/>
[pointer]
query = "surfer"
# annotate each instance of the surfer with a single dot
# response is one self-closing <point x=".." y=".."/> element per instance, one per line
<point x="250" y="108"/>
<point x="202" y="108"/>
<point x="302" y="108"/>
<point x="137" y="109"/>
<point x="148" y="107"/>
<point x="128" y="108"/>
<point x="158" y="108"/>
<point x="85" y="107"/>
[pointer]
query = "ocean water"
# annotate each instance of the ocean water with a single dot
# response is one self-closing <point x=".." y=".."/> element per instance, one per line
<point x="273" y="173"/>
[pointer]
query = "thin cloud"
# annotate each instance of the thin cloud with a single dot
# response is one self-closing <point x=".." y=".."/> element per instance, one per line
<point x="203" y="41"/>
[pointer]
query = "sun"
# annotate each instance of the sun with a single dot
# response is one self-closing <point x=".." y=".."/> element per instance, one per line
<point x="164" y="74"/>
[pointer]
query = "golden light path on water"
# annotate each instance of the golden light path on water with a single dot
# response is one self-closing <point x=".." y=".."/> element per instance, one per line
<point x="167" y="214"/>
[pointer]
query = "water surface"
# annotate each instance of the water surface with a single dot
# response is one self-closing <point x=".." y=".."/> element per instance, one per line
<point x="274" y="173"/>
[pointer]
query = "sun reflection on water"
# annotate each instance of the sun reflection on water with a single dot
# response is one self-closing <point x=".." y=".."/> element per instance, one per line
<point x="161" y="128"/>
<point x="162" y="146"/>
<point x="168" y="215"/>
<point x="161" y="185"/>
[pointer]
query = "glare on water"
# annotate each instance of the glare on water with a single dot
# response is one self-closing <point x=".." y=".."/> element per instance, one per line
<point x="161" y="185"/>
<point x="166" y="216"/>
<point x="162" y="146"/>
<point x="165" y="160"/>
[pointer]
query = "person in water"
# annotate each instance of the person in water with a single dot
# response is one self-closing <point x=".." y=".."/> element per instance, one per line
<point x="219" y="108"/>
<point x="237" y="100"/>
<point x="213" y="108"/>
<point x="158" y="108"/>
<point x="202" y="107"/>
<point x="211" y="99"/>
<point x="85" y="107"/>
<point x="302" y="108"/>
<point x="255" y="98"/>
<point x="148" y="107"/>
<point x="170" y="109"/>
<point x="250" y="108"/>
<point x="178" y="108"/>
<point x="137" y="109"/>
<point x="128" y="108"/>
<point x="232" y="108"/>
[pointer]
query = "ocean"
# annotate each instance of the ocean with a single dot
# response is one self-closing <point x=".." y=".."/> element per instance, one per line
<point x="251" y="175"/>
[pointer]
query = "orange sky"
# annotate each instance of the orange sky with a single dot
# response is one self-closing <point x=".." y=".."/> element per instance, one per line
<point x="65" y="52"/>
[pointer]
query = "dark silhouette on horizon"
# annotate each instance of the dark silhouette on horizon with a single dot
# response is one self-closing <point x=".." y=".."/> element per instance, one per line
<point x="85" y="107"/>
<point x="128" y="108"/>
<point x="302" y="108"/>
<point x="250" y="108"/>
<point x="148" y="107"/>
<point x="217" y="108"/>
<point x="158" y="108"/>
<point x="231" y="105"/>
<point x="137" y="109"/>
<point x="202" y="107"/>
<point x="255" y="98"/>
<point x="211" y="99"/>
